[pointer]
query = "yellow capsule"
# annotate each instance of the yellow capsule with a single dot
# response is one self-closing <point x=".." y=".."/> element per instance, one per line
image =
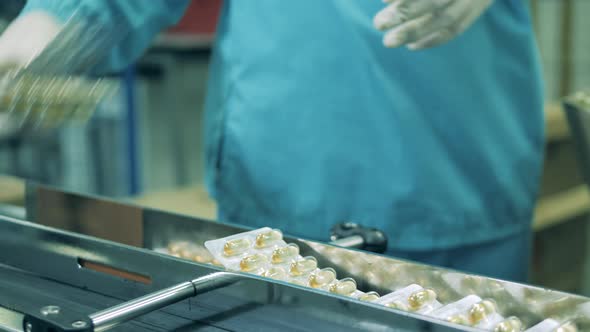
<point x="176" y="247"/>
<point x="236" y="247"/>
<point x="283" y="254"/>
<point x="369" y="297"/>
<point x="420" y="298"/>
<point x="216" y="263"/>
<point x="399" y="305"/>
<point x="252" y="262"/>
<point x="277" y="273"/>
<point x="200" y="259"/>
<point x="299" y="281"/>
<point x="567" y="327"/>
<point x="458" y="319"/>
<point x="186" y="253"/>
<point x="481" y="311"/>
<point x="303" y="266"/>
<point x="345" y="286"/>
<point x="267" y="239"/>
<point x="322" y="278"/>
<point x="512" y="324"/>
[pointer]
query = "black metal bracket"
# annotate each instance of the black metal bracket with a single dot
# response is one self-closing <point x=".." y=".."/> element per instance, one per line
<point x="373" y="239"/>
<point x="40" y="323"/>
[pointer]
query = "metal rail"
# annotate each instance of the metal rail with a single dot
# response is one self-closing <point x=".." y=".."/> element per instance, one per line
<point x="124" y="312"/>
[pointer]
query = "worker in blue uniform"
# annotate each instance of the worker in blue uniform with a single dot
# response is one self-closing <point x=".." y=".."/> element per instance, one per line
<point x="422" y="118"/>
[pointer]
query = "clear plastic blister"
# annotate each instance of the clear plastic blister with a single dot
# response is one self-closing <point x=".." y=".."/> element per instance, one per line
<point x="187" y="250"/>
<point x="264" y="252"/>
<point x="456" y="312"/>
<point x="345" y="287"/>
<point x="412" y="298"/>
<point x="553" y="325"/>
<point x="484" y="315"/>
<point x="511" y="324"/>
<point x="475" y="312"/>
<point x="368" y="297"/>
<point x="254" y="252"/>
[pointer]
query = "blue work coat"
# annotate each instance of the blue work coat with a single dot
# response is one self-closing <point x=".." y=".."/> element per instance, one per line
<point x="311" y="121"/>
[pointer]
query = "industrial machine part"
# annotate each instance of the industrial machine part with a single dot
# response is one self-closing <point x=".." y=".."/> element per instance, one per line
<point x="82" y="263"/>
<point x="57" y="281"/>
<point x="352" y="235"/>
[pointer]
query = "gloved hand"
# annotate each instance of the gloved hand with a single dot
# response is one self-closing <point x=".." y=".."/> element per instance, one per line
<point x="26" y="37"/>
<point x="421" y="24"/>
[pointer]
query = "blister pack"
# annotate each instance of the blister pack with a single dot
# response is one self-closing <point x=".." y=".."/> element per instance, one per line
<point x="472" y="311"/>
<point x="413" y="298"/>
<point x="264" y="252"/>
<point x="552" y="325"/>
<point x="456" y="312"/>
<point x="368" y="296"/>
<point x="189" y="251"/>
<point x="484" y="315"/>
<point x="253" y="251"/>
<point x="511" y="324"/>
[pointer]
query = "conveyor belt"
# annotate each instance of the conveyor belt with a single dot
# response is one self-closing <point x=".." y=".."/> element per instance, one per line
<point x="253" y="304"/>
<point x="61" y="265"/>
<point x="209" y="313"/>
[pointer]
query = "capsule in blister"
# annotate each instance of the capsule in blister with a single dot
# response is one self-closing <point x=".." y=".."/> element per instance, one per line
<point x="267" y="239"/>
<point x="398" y="304"/>
<point x="567" y="327"/>
<point x="511" y="324"/>
<point x="186" y="253"/>
<point x="303" y="266"/>
<point x="457" y="311"/>
<point x="547" y="325"/>
<point x="369" y="297"/>
<point x="322" y="278"/>
<point x="298" y="281"/>
<point x="481" y="311"/>
<point x="174" y="248"/>
<point x="421" y="298"/>
<point x="345" y="286"/>
<point x="236" y="246"/>
<point x="201" y="258"/>
<point x="458" y="319"/>
<point x="182" y="249"/>
<point x="276" y="272"/>
<point x="253" y="262"/>
<point x="284" y="254"/>
<point x="216" y="263"/>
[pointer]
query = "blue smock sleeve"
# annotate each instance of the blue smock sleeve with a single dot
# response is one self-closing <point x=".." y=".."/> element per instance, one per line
<point x="126" y="27"/>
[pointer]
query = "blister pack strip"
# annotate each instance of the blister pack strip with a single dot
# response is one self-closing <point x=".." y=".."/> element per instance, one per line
<point x="264" y="252"/>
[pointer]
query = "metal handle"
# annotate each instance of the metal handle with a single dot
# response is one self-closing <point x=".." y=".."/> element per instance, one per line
<point x="51" y="319"/>
<point x="111" y="317"/>
<point x="351" y="235"/>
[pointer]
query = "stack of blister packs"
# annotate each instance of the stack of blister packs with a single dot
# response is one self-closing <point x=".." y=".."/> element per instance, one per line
<point x="51" y="88"/>
<point x="264" y="252"/>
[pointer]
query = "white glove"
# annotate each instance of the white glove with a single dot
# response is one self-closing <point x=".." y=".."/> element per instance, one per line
<point x="26" y="37"/>
<point x="423" y="24"/>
